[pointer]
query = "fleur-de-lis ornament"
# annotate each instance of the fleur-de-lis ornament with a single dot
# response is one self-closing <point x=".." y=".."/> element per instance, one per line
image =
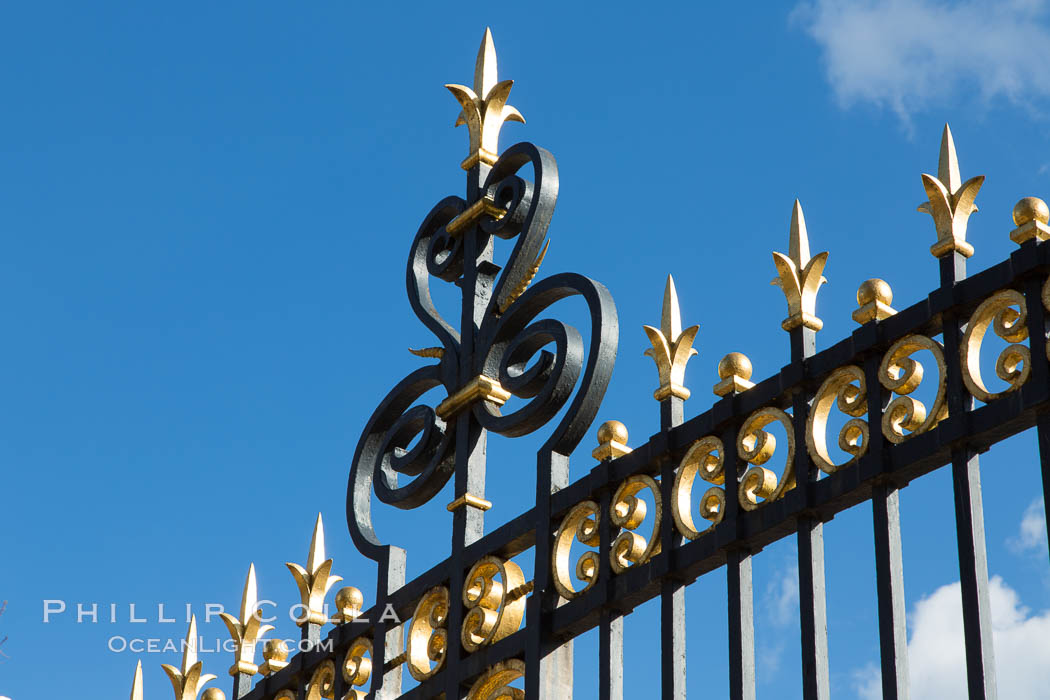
<point x="672" y="347"/>
<point x="800" y="276"/>
<point x="485" y="107"/>
<point x="951" y="201"/>
<point x="187" y="680"/>
<point x="315" y="580"/>
<point x="246" y="629"/>
<point x="136" y="684"/>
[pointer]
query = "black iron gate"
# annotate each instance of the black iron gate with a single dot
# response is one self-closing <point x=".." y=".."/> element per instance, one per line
<point x="477" y="626"/>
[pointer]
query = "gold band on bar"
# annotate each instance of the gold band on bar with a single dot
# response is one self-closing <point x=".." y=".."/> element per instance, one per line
<point x="471" y="500"/>
<point x="480" y="388"/>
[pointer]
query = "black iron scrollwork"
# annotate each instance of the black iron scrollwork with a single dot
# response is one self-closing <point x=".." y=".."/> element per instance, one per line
<point x="538" y="360"/>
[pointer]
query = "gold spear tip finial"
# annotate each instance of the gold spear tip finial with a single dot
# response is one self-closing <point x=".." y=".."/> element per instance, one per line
<point x="799" y="276"/>
<point x="612" y="441"/>
<point x="136" y="684"/>
<point x="672" y="346"/>
<point x="950" y="201"/>
<point x="189" y="648"/>
<point x="316" y="556"/>
<point x="485" y="107"/>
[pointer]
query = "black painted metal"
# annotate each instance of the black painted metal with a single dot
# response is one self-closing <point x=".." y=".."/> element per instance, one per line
<point x="573" y="375"/>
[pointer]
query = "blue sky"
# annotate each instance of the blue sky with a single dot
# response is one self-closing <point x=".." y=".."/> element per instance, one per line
<point x="206" y="211"/>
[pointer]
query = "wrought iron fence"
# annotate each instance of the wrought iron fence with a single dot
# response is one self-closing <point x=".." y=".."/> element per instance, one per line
<point x="477" y="626"/>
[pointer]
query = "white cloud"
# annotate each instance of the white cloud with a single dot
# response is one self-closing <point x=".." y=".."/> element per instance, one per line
<point x="782" y="595"/>
<point x="936" y="656"/>
<point x="910" y="54"/>
<point x="1032" y="534"/>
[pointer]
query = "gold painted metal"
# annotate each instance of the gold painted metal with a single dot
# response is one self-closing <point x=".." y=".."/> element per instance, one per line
<point x="469" y="499"/>
<point x="706" y="459"/>
<point x="491" y="614"/>
<point x="800" y="276"/>
<point x="467" y="218"/>
<point x="950" y="202"/>
<point x="523" y="285"/>
<point x="628" y="512"/>
<point x="671" y="347"/>
<point x="357" y="667"/>
<point x="852" y="399"/>
<point x="1031" y="217"/>
<point x="246" y="629"/>
<point x="902" y="374"/>
<point x="213" y="694"/>
<point x="874" y="297"/>
<point x="187" y="680"/>
<point x="581" y="524"/>
<point x="136" y="684"/>
<point x="427" y="636"/>
<point x="734" y="373"/>
<point x="315" y="580"/>
<point x="494" y="683"/>
<point x="348" y="603"/>
<point x="1014" y="363"/>
<point x="322" y="682"/>
<point x="480" y="388"/>
<point x="485" y="107"/>
<point x="612" y="441"/>
<point x="436" y="353"/>
<point x="285" y="695"/>
<point x="755" y="446"/>
<point x="275" y="657"/>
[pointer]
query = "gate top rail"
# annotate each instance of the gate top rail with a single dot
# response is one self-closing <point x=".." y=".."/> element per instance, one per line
<point x="476" y="624"/>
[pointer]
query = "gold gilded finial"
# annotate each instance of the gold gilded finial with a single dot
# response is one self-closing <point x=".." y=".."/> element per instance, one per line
<point x="734" y="371"/>
<point x="612" y="441"/>
<point x="187" y="681"/>
<point x="315" y="580"/>
<point x="275" y="656"/>
<point x="213" y="694"/>
<point x="246" y="630"/>
<point x="672" y="347"/>
<point x="800" y="276"/>
<point x="950" y="203"/>
<point x="874" y="297"/>
<point x="136" y="685"/>
<point x="1031" y="216"/>
<point x="485" y="107"/>
<point x="348" y="603"/>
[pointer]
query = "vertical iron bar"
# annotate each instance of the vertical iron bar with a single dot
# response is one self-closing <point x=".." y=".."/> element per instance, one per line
<point x="813" y="618"/>
<point x="386" y="684"/>
<point x="610" y="623"/>
<point x="739" y="591"/>
<point x="672" y="593"/>
<point x="1040" y="378"/>
<point x="889" y="563"/>
<point x="548" y="671"/>
<point x="969" y="511"/>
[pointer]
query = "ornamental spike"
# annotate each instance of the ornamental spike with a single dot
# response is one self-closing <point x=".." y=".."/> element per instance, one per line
<point x="136" y="684"/>
<point x="950" y="201"/>
<point x="485" y="72"/>
<point x="189" y="648"/>
<point x="948" y="162"/>
<point x="246" y="630"/>
<point x="187" y="681"/>
<point x="671" y="347"/>
<point x="316" y="556"/>
<point x="799" y="276"/>
<point x="250" y="596"/>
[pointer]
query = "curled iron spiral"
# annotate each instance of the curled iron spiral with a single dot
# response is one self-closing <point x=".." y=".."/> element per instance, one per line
<point x="540" y="360"/>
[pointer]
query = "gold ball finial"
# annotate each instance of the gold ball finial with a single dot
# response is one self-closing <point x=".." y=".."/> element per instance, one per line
<point x="735" y="364"/>
<point x="1031" y="209"/>
<point x="275" y="650"/>
<point x="213" y="694"/>
<point x="612" y="441"/>
<point x="612" y="431"/>
<point x="349" y="597"/>
<point x="874" y="290"/>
